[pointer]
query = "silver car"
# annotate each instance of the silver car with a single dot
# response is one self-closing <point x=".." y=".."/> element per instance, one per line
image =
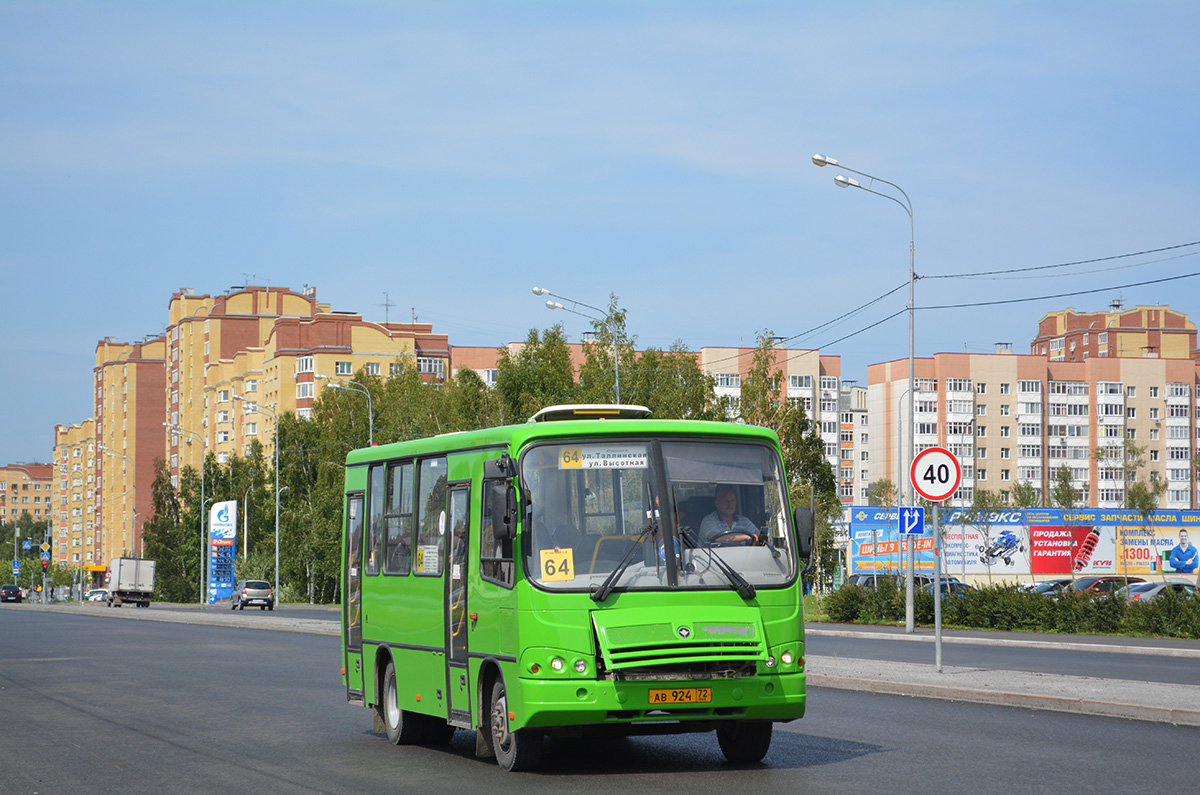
<point x="253" y="592"/>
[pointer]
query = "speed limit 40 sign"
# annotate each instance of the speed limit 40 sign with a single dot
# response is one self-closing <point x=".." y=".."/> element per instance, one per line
<point x="936" y="474"/>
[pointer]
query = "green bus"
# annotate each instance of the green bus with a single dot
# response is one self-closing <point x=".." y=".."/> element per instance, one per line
<point x="580" y="574"/>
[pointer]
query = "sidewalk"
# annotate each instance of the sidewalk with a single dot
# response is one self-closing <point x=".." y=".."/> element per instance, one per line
<point x="1152" y="701"/>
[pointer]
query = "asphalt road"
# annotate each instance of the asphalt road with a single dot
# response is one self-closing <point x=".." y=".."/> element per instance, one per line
<point x="90" y="704"/>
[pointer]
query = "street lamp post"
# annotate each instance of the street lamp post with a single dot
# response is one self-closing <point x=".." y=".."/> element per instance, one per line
<point x="175" y="429"/>
<point x="132" y="513"/>
<point x="362" y="390"/>
<point x="906" y="205"/>
<point x="274" y="417"/>
<point x="604" y="317"/>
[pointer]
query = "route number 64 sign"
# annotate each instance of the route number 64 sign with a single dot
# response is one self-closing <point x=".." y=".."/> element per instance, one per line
<point x="936" y="474"/>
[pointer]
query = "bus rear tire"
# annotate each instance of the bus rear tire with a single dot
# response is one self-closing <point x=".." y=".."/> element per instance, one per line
<point x="744" y="741"/>
<point x="515" y="750"/>
<point x="403" y="727"/>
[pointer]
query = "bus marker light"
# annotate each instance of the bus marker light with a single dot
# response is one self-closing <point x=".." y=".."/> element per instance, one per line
<point x="418" y="696"/>
<point x="786" y="657"/>
<point x="771" y="661"/>
<point x="533" y="669"/>
<point x="557" y="663"/>
<point x="512" y="716"/>
<point x="343" y="672"/>
<point x="580" y="666"/>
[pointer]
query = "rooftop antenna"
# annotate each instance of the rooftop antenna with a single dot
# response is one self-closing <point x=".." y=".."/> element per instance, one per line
<point x="387" y="304"/>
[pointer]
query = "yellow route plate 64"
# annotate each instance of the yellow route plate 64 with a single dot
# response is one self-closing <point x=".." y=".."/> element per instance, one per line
<point x="681" y="695"/>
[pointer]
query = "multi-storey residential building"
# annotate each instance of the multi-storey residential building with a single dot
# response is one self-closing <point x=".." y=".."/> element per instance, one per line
<point x="25" y="488"/>
<point x="1144" y="331"/>
<point x="1013" y="418"/>
<point x="76" y="541"/>
<point x="853" y="473"/>
<point x="129" y="381"/>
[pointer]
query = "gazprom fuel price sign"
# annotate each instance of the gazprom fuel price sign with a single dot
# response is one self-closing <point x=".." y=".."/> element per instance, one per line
<point x="936" y="474"/>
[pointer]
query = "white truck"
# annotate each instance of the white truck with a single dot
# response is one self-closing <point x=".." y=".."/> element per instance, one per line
<point x="131" y="580"/>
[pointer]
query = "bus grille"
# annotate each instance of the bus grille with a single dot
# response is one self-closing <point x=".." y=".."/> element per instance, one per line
<point x="695" y="644"/>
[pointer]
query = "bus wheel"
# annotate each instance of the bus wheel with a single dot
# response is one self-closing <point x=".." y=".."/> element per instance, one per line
<point x="403" y="727"/>
<point x="515" y="750"/>
<point x="744" y="741"/>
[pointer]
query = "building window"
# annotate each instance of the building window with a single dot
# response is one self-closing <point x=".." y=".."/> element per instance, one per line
<point x="251" y="384"/>
<point x="982" y="431"/>
<point x="490" y="376"/>
<point x="829" y="382"/>
<point x="249" y="406"/>
<point x="1029" y="387"/>
<point x="371" y="368"/>
<point x="431" y="365"/>
<point x="222" y="416"/>
<point x="222" y="436"/>
<point x="304" y="364"/>
<point x="1153" y="391"/>
<point x="304" y="390"/>
<point x="729" y="379"/>
<point x="800" y="381"/>
<point x="251" y="428"/>
<point x="222" y="395"/>
<point x="304" y="414"/>
<point x="343" y="368"/>
<point x="981" y="389"/>
<point x="222" y="458"/>
<point x="958" y="384"/>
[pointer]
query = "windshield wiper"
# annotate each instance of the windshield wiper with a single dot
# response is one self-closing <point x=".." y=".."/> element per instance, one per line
<point x="743" y="586"/>
<point x="601" y="593"/>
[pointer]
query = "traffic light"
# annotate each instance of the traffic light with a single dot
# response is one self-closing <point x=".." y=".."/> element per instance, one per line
<point x="45" y="563"/>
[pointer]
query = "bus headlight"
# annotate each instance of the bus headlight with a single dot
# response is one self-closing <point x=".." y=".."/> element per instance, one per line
<point x="557" y="663"/>
<point x="786" y="658"/>
<point x="580" y="666"/>
<point x="771" y="661"/>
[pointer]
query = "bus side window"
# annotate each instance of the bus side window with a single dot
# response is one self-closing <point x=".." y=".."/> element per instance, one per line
<point x="431" y="518"/>
<point x="377" y="504"/>
<point x="495" y="555"/>
<point x="399" y="518"/>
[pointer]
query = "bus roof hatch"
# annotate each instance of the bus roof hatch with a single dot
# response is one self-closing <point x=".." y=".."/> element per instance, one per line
<point x="591" y="411"/>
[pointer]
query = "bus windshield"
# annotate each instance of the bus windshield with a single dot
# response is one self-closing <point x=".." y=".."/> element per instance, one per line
<point x="619" y="505"/>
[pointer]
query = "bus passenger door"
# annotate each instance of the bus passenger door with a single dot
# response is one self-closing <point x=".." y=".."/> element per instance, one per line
<point x="457" y="684"/>
<point x="352" y="598"/>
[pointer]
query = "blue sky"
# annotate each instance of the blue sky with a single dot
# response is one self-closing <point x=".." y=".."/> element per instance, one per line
<point x="453" y="155"/>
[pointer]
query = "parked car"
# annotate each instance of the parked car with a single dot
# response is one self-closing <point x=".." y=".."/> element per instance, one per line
<point x="253" y="592"/>
<point x="96" y="595"/>
<point x="951" y="587"/>
<point x="11" y="593"/>
<point x="1146" y="591"/>
<point x="865" y="580"/>
<point x="1102" y="583"/>
<point x="1050" y="587"/>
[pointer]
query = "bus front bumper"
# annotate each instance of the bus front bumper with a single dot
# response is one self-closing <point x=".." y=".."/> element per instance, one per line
<point x="561" y="703"/>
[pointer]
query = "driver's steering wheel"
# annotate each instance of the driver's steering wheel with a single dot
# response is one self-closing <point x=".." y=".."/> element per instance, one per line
<point x="733" y="538"/>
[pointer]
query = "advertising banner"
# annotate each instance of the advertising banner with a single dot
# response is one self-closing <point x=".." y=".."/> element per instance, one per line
<point x="1038" y="541"/>
<point x="222" y="546"/>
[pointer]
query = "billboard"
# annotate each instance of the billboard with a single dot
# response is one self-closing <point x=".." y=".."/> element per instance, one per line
<point x="1045" y="541"/>
<point x="222" y="545"/>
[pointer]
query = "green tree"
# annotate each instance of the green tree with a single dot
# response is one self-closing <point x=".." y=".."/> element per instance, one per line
<point x="1062" y="493"/>
<point x="881" y="493"/>
<point x="1026" y="495"/>
<point x="539" y="374"/>
<point x="171" y="536"/>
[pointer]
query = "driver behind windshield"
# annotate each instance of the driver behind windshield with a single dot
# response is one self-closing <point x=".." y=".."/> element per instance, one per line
<point x="725" y="524"/>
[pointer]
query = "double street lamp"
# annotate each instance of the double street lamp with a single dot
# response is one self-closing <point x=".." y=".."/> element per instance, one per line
<point x="274" y="417"/>
<point x="602" y="316"/>
<point x="333" y="384"/>
<point x="905" y="204"/>
<point x="176" y="430"/>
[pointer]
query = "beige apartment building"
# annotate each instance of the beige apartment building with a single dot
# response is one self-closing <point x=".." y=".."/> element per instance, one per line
<point x="1019" y="418"/>
<point x="129" y="382"/>
<point x="25" y="488"/>
<point x="73" y="488"/>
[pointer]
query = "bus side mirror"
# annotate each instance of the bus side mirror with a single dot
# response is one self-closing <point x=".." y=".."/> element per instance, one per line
<point x="803" y="518"/>
<point x="503" y="505"/>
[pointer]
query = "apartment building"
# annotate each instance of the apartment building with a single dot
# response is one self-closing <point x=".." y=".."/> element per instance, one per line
<point x="1141" y="332"/>
<point x="25" y="488"/>
<point x="75" y="538"/>
<point x="130" y="381"/>
<point x="1019" y="418"/>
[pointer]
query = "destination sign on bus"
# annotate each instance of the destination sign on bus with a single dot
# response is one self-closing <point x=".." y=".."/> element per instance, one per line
<point x="603" y="457"/>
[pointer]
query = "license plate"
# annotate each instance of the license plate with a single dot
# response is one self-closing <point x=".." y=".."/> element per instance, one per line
<point x="681" y="695"/>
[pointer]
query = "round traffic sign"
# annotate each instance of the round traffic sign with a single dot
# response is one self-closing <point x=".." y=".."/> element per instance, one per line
<point x="936" y="474"/>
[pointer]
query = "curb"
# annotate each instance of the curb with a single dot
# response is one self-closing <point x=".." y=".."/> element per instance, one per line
<point x="1106" y="648"/>
<point x="1111" y="709"/>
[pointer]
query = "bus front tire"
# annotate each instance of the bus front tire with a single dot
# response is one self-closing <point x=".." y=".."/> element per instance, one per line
<point x="403" y="727"/>
<point x="744" y="741"/>
<point x="515" y="750"/>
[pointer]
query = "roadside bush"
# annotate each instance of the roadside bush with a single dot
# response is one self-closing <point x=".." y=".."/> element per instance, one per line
<point x="1171" y="614"/>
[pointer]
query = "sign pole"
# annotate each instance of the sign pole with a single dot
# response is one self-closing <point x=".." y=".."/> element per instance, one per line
<point x="937" y="587"/>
